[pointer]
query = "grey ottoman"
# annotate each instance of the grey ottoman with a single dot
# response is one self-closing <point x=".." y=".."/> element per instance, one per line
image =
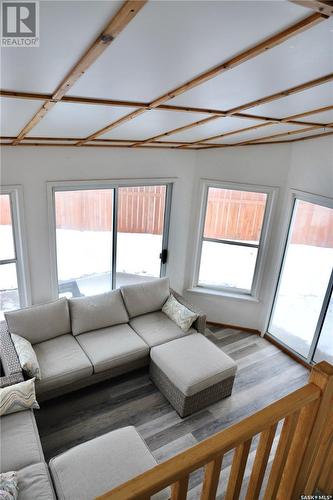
<point x="192" y="373"/>
<point x="99" y="465"/>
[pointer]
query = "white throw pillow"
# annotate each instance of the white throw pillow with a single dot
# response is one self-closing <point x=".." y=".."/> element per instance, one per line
<point x="27" y="356"/>
<point x="177" y="312"/>
<point x="8" y="486"/>
<point x="18" y="397"/>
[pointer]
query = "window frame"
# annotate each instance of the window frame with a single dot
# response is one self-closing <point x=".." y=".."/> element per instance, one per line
<point x="20" y="259"/>
<point x="114" y="184"/>
<point x="294" y="196"/>
<point x="262" y="246"/>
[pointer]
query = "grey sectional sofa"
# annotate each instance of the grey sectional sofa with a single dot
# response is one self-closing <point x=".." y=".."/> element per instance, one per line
<point x="84" y="340"/>
<point x="21" y="451"/>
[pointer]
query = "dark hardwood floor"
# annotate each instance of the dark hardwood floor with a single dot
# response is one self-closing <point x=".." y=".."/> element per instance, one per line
<point x="264" y="375"/>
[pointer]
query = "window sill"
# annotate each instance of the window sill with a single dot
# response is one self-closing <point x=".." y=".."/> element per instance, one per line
<point x="223" y="293"/>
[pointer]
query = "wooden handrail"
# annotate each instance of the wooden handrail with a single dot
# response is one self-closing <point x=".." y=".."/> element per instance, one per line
<point x="305" y="412"/>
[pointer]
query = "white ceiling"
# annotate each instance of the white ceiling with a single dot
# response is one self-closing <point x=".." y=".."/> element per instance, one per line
<point x="76" y="120"/>
<point x="220" y="126"/>
<point x="256" y="133"/>
<point x="165" y="45"/>
<point x="152" y="123"/>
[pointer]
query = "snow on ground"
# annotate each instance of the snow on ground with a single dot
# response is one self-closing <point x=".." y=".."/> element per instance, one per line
<point x="303" y="285"/>
<point x="85" y="256"/>
<point x="82" y="253"/>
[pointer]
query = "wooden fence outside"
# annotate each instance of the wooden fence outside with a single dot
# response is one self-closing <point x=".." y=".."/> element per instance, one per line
<point x="230" y="214"/>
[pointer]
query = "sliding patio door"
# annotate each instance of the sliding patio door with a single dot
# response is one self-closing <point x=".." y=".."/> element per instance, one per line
<point x="301" y="317"/>
<point x="140" y="231"/>
<point x="109" y="236"/>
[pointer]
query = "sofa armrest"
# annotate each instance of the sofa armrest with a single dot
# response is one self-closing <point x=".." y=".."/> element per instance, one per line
<point x="11" y="372"/>
<point x="200" y="322"/>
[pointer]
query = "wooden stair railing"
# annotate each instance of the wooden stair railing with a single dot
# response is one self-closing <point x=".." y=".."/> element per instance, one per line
<point x="302" y="461"/>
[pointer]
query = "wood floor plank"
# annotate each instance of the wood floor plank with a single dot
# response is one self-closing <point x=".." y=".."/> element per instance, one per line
<point x="264" y="375"/>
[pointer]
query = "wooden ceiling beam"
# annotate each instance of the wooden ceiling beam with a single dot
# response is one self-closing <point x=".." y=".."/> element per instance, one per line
<point x="164" y="107"/>
<point x="279" y="95"/>
<point x="322" y="6"/>
<point x="235" y="61"/>
<point x="170" y="146"/>
<point x="287" y="119"/>
<point x="281" y="134"/>
<point x="267" y="137"/>
<point x="108" y="102"/>
<point x="314" y="136"/>
<point x="123" y="17"/>
<point x="75" y="139"/>
<point x="284" y="93"/>
<point x="311" y="112"/>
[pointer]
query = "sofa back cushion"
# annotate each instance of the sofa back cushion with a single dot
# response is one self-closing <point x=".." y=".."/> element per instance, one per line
<point x="146" y="297"/>
<point x="41" y="322"/>
<point x="98" y="311"/>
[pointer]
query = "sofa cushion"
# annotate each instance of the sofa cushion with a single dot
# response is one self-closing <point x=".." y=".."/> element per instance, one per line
<point x="156" y="328"/>
<point x="62" y="361"/>
<point x="34" y="482"/>
<point x="147" y="297"/>
<point x="97" y="466"/>
<point x="42" y="322"/>
<point x="98" y="311"/>
<point x="20" y="443"/>
<point x="193" y="363"/>
<point x="110" y="347"/>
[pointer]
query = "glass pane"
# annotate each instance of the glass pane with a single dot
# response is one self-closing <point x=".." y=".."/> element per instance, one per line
<point x="234" y="215"/>
<point x="324" y="350"/>
<point x="7" y="248"/>
<point x="84" y="241"/>
<point x="305" y="276"/>
<point x="140" y="233"/>
<point x="227" y="265"/>
<point x="9" y="296"/>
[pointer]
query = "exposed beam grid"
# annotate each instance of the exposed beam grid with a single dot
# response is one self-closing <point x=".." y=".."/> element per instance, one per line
<point x="124" y="15"/>
<point x="75" y="139"/>
<point x="278" y="95"/>
<point x="268" y="137"/>
<point x="244" y="56"/>
<point x="287" y="119"/>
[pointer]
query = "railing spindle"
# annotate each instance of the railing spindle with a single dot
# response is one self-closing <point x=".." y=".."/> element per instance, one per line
<point x="237" y="470"/>
<point x="260" y="462"/>
<point x="281" y="455"/>
<point x="179" y="489"/>
<point x="211" y="479"/>
<point x="321" y="432"/>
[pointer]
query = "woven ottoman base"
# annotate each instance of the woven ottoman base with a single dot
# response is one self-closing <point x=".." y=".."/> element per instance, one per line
<point x="186" y="405"/>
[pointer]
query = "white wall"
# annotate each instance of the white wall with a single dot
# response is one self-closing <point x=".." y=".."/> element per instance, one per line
<point x="261" y="165"/>
<point x="33" y="167"/>
<point x="306" y="166"/>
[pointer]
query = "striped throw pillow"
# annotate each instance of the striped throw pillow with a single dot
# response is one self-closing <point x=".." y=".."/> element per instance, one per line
<point x="18" y="397"/>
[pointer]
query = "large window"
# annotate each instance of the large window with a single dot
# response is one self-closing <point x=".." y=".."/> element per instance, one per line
<point x="302" y="314"/>
<point x="233" y="232"/>
<point x="13" y="275"/>
<point x="109" y="235"/>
